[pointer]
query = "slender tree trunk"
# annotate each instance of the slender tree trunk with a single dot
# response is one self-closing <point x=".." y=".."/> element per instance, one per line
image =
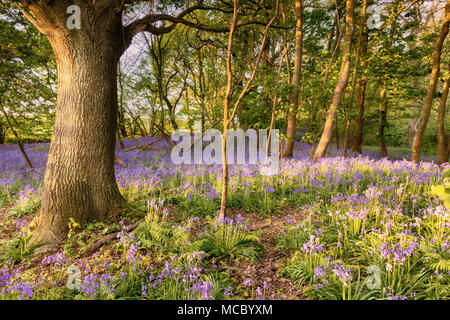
<point x="442" y="150"/>
<point x="121" y="123"/>
<point x="274" y="100"/>
<point x="338" y="32"/>
<point x="152" y="121"/>
<point x="171" y="109"/>
<point x="359" y="53"/>
<point x="362" y="91"/>
<point x="119" y="141"/>
<point x="341" y="85"/>
<point x="142" y="127"/>
<point x="313" y="116"/>
<point x="336" y="133"/>
<point x="448" y="149"/>
<point x="121" y="112"/>
<point x="383" y="95"/>
<point x="383" y="120"/>
<point x="227" y="118"/>
<point x="357" y="147"/>
<point x="201" y="82"/>
<point x="79" y="182"/>
<point x="412" y="129"/>
<point x="227" y="102"/>
<point x="292" y="115"/>
<point x="417" y="145"/>
<point x="2" y="132"/>
<point x="19" y="140"/>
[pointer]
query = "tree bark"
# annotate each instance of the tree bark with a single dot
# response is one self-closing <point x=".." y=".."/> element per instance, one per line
<point x="417" y="145"/>
<point x="383" y="93"/>
<point x="336" y="133"/>
<point x="292" y="114"/>
<point x="412" y="129"/>
<point x="120" y="110"/>
<point x="341" y="85"/>
<point x="357" y="147"/>
<point x="2" y="132"/>
<point x="442" y="150"/>
<point x="274" y="100"/>
<point x="383" y="120"/>
<point x="227" y="118"/>
<point x="79" y="182"/>
<point x="360" y="54"/>
<point x="448" y="149"/>
<point x="171" y="109"/>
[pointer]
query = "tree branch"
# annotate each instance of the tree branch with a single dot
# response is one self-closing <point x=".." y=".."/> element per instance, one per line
<point x="147" y="23"/>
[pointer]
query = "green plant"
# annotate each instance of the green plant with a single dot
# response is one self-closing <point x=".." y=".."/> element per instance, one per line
<point x="294" y="236"/>
<point x="302" y="267"/>
<point x="230" y="238"/>
<point x="25" y="207"/>
<point x="17" y="249"/>
<point x="337" y="290"/>
<point x="129" y="287"/>
<point x="155" y="231"/>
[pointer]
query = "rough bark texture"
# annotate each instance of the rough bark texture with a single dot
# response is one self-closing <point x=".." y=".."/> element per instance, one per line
<point x="417" y="145"/>
<point x="341" y="85"/>
<point x="442" y="149"/>
<point x="292" y="115"/>
<point x="80" y="181"/>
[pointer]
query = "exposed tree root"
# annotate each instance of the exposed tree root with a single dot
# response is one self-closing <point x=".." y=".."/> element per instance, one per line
<point x="101" y="242"/>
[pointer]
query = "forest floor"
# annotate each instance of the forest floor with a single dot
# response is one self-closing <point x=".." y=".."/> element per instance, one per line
<point x="315" y="231"/>
<point x="264" y="270"/>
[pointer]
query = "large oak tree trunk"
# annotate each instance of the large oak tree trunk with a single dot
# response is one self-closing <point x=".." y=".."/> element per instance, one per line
<point x="442" y="149"/>
<point x="79" y="182"/>
<point x="292" y="115"/>
<point x="330" y="122"/>
<point x="417" y="145"/>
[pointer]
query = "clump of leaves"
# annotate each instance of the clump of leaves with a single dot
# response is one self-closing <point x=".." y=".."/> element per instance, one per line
<point x="230" y="238"/>
<point x="302" y="267"/>
<point x="18" y="249"/>
<point x="155" y="231"/>
<point x="294" y="237"/>
<point x="25" y="207"/>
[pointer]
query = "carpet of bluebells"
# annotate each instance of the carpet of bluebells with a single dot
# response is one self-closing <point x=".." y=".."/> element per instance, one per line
<point x="359" y="227"/>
